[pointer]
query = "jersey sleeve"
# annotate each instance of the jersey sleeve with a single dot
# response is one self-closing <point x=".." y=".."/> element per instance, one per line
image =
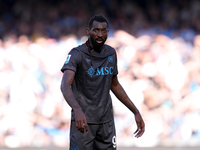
<point x="71" y="61"/>
<point x="115" y="72"/>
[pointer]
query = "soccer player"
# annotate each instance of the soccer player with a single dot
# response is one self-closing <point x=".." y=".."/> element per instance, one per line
<point x="89" y="73"/>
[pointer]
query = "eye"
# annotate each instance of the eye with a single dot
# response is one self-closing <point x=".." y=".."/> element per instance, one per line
<point x="104" y="31"/>
<point x="96" y="30"/>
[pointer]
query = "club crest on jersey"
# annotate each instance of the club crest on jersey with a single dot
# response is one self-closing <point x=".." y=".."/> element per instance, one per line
<point x="67" y="60"/>
<point x="110" y="59"/>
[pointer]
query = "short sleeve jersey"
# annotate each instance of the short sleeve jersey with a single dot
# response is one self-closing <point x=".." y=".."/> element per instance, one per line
<point x="92" y="83"/>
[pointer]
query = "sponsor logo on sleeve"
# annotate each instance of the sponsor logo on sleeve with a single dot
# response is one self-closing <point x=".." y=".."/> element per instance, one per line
<point x="68" y="58"/>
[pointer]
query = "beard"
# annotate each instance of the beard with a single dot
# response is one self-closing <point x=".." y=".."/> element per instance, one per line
<point x="96" y="44"/>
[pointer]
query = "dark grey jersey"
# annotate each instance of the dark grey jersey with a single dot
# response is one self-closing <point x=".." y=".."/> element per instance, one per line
<point x="92" y="83"/>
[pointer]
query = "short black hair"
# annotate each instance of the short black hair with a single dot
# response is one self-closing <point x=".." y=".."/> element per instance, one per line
<point x="98" y="18"/>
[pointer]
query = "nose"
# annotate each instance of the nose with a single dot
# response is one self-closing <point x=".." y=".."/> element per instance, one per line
<point x="100" y="34"/>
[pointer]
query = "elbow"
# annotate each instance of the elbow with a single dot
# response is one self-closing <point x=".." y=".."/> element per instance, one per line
<point x="113" y="88"/>
<point x="64" y="87"/>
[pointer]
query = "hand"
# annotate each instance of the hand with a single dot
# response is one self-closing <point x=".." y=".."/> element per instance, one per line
<point x="140" y="126"/>
<point x="81" y="122"/>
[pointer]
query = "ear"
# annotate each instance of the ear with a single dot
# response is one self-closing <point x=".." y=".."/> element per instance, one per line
<point x="88" y="31"/>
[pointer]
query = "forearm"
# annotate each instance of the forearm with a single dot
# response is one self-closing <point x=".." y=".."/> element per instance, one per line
<point x="69" y="97"/>
<point x="81" y="122"/>
<point x="119" y="92"/>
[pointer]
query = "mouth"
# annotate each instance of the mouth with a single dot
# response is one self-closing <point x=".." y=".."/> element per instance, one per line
<point x="99" y="40"/>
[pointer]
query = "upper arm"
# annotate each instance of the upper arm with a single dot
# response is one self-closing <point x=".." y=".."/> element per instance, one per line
<point x="72" y="61"/>
<point x="68" y="77"/>
<point x="115" y="82"/>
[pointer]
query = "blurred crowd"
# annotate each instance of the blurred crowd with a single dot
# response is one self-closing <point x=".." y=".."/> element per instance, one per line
<point x="158" y="49"/>
<point x="55" y="18"/>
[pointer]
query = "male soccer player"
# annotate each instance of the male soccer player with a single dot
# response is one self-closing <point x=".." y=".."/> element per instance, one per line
<point x="89" y="73"/>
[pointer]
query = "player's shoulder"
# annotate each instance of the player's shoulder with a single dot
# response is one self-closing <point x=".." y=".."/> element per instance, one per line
<point x="80" y="49"/>
<point x="109" y="49"/>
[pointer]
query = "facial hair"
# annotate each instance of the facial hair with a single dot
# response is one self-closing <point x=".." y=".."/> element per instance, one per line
<point x="95" y="44"/>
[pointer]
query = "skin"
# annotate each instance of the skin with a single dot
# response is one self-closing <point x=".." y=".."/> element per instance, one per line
<point x="81" y="122"/>
<point x="97" y="35"/>
<point x="119" y="92"/>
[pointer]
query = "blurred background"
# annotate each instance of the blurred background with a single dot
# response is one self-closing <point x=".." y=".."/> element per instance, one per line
<point x="158" y="49"/>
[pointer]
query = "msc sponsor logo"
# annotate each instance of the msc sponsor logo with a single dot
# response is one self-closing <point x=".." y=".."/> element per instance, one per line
<point x="100" y="71"/>
<point x="91" y="71"/>
<point x="104" y="71"/>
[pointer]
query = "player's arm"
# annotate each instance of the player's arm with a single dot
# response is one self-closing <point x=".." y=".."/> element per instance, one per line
<point x="119" y="92"/>
<point x="68" y="77"/>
